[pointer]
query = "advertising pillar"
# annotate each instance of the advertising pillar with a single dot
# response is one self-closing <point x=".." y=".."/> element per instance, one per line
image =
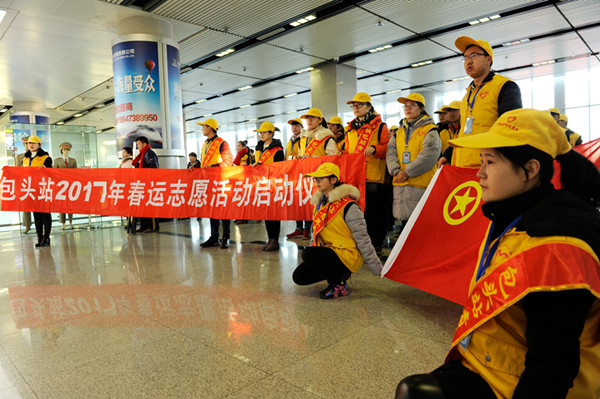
<point x="148" y="88"/>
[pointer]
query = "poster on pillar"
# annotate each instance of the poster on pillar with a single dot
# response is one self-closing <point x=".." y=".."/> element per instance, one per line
<point x="137" y="93"/>
<point x="175" y="102"/>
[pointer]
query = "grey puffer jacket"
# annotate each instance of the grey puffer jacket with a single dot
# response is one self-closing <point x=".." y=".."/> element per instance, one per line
<point x="355" y="220"/>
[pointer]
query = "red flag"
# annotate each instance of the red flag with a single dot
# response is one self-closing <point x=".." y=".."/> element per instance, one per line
<point x="438" y="248"/>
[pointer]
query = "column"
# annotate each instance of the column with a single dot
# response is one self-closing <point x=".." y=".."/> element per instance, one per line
<point x="30" y="112"/>
<point x="332" y="85"/>
<point x="148" y="88"/>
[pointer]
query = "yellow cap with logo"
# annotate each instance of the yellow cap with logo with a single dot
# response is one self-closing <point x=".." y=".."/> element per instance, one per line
<point x="336" y="120"/>
<point x="326" y="169"/>
<point x="412" y="97"/>
<point x="465" y="41"/>
<point x="295" y="120"/>
<point x="521" y="127"/>
<point x="34" y="139"/>
<point x="360" y="98"/>
<point x="313" y="112"/>
<point x="210" y="122"/>
<point x="266" y="127"/>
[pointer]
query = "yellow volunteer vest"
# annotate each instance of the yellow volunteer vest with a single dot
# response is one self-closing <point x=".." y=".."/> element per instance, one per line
<point x="291" y="149"/>
<point x="337" y="235"/>
<point x="415" y="146"/>
<point x="213" y="157"/>
<point x="484" y="114"/>
<point x="271" y="157"/>
<point x="445" y="137"/>
<point x="319" y="151"/>
<point x="573" y="138"/>
<point x="375" y="167"/>
<point x="35" y="162"/>
<point x="494" y="319"/>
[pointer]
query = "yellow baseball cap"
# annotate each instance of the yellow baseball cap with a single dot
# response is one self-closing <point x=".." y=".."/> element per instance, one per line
<point x="360" y="98"/>
<point x="326" y="169"/>
<point x="453" y="105"/>
<point x="297" y="120"/>
<point x="464" y="41"/>
<point x="210" y="122"/>
<point x="412" y="97"/>
<point x="554" y="111"/>
<point x="520" y="127"/>
<point x="563" y="118"/>
<point x="34" y="139"/>
<point x="266" y="127"/>
<point x="313" y="112"/>
<point x="394" y="127"/>
<point x="442" y="110"/>
<point x="336" y="120"/>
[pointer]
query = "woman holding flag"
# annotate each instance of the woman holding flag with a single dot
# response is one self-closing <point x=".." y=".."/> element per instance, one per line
<point x="269" y="150"/>
<point x="530" y="327"/>
<point x="340" y="243"/>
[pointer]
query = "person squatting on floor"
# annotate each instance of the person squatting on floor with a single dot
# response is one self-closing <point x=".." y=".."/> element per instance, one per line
<point x="340" y="243"/>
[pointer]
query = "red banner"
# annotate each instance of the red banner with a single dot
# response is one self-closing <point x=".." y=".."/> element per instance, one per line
<point x="276" y="191"/>
<point x="437" y="250"/>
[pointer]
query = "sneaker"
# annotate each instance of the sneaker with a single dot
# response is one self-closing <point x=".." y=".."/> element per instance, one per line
<point x="211" y="242"/>
<point x="306" y="235"/>
<point x="334" y="291"/>
<point x="294" y="234"/>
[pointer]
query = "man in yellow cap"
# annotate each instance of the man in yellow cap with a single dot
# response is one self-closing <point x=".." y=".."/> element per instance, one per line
<point x="35" y="157"/>
<point x="488" y="96"/>
<point x="573" y="138"/>
<point x="65" y="162"/>
<point x="293" y="152"/>
<point x="368" y="134"/>
<point x="336" y="126"/>
<point x="215" y="153"/>
<point x="442" y="126"/>
<point x="26" y="216"/>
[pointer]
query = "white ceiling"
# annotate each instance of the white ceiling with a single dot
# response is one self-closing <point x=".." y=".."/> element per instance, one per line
<point x="58" y="52"/>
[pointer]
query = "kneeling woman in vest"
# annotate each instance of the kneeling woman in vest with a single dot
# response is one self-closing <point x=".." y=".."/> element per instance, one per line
<point x="340" y="243"/>
<point x="412" y="156"/>
<point x="530" y="327"/>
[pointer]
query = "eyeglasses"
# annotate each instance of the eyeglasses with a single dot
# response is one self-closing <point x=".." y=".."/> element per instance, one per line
<point x="471" y="56"/>
<point x="409" y="106"/>
<point x="357" y="105"/>
<point x="317" y="179"/>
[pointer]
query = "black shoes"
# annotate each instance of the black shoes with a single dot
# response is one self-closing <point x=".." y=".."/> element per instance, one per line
<point x="211" y="242"/>
<point x="43" y="243"/>
<point x="224" y="243"/>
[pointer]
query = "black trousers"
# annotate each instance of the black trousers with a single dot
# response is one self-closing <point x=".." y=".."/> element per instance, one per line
<point x="273" y="229"/>
<point x="214" y="228"/>
<point x="43" y="225"/>
<point x="149" y="223"/>
<point x="376" y="204"/>
<point x="303" y="224"/>
<point x="318" y="264"/>
<point x="458" y="382"/>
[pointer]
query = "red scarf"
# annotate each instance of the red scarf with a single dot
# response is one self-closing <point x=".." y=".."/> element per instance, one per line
<point x="238" y="157"/>
<point x="139" y="158"/>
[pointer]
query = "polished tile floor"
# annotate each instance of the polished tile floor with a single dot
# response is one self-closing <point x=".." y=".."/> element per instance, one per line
<point x="100" y="314"/>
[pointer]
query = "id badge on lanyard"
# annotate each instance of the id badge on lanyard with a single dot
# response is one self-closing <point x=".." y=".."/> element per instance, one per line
<point x="405" y="157"/>
<point x="470" y="119"/>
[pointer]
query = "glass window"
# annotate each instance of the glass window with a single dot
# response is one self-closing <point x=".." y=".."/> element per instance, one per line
<point x="594" y="131"/>
<point x="576" y="89"/>
<point x="594" y="82"/>
<point x="579" y="121"/>
<point x="456" y="95"/>
<point x="543" y="92"/>
<point x="525" y="87"/>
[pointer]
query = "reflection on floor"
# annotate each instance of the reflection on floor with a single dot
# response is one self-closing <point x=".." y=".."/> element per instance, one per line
<point x="100" y="314"/>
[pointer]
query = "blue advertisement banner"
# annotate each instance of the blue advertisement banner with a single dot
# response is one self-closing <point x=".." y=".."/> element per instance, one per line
<point x="137" y="93"/>
<point x="29" y="118"/>
<point x="175" y="100"/>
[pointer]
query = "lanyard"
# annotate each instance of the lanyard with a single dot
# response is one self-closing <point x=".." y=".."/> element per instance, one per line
<point x="407" y="135"/>
<point x="486" y="257"/>
<point x="472" y="104"/>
